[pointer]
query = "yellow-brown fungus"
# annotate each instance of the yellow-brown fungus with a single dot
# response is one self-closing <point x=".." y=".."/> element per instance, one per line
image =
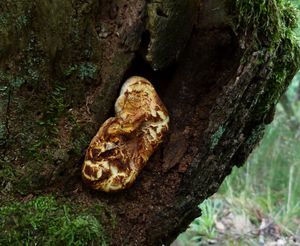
<point x="124" y="143"/>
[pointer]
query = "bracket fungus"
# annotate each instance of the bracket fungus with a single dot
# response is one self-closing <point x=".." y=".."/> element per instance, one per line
<point x="124" y="143"/>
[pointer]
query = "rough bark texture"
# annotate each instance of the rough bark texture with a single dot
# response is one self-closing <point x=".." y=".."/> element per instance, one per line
<point x="62" y="63"/>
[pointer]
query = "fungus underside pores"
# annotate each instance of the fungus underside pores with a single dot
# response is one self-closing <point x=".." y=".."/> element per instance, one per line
<point x="124" y="143"/>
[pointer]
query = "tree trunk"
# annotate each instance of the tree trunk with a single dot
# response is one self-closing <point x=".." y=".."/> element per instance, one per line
<point x="219" y="67"/>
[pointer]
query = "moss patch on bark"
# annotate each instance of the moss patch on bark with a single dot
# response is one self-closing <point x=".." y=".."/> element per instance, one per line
<point x="270" y="25"/>
<point x="47" y="221"/>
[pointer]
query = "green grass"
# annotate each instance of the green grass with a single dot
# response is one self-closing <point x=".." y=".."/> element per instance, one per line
<point x="44" y="221"/>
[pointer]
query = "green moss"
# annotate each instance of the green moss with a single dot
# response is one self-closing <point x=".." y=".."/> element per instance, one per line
<point x="71" y="69"/>
<point x="271" y="23"/>
<point x="45" y="221"/>
<point x="12" y="81"/>
<point x="87" y="70"/>
<point x="56" y="105"/>
<point x="21" y="21"/>
<point x="83" y="71"/>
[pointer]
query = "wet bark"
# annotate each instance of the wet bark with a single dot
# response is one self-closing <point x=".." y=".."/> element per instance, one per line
<point x="62" y="63"/>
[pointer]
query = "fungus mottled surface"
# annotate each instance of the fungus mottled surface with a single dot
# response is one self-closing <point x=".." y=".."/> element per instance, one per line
<point x="124" y="143"/>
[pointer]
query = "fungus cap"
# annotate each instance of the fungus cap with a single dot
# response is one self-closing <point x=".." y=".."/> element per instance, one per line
<point x="124" y="143"/>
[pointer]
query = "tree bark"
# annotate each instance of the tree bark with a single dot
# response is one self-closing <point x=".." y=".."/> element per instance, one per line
<point x="62" y="63"/>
